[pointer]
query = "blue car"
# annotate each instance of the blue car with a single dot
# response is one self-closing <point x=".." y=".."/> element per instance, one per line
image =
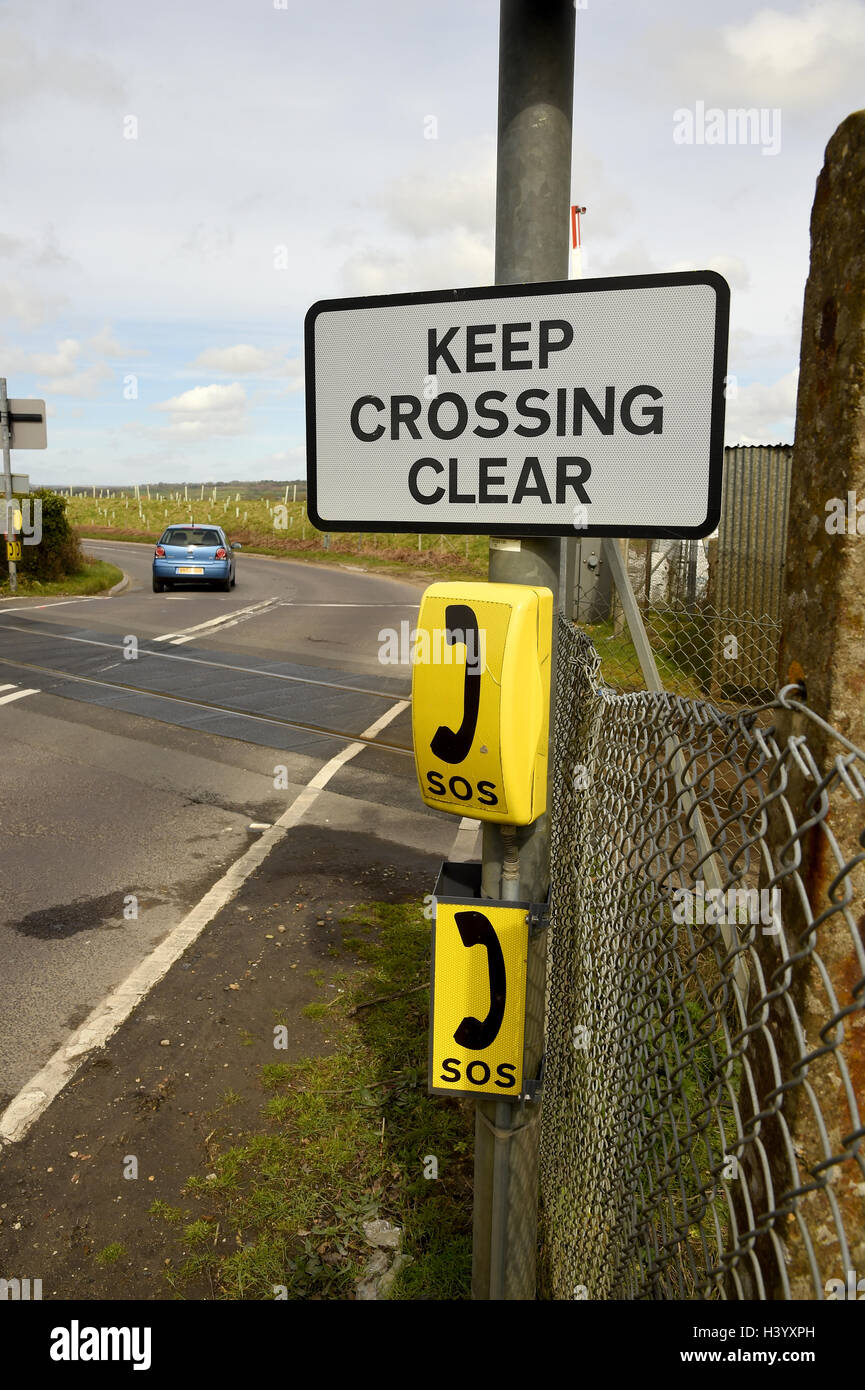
<point x="193" y="555"/>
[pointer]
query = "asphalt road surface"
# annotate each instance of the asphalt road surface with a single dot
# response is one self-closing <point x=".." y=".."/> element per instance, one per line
<point x="143" y="734"/>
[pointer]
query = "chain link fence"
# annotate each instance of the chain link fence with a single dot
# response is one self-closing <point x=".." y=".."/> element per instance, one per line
<point x="704" y="1082"/>
<point x="706" y="652"/>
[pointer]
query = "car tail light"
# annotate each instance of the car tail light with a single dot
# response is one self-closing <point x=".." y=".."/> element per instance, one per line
<point x="220" y="554"/>
<point x="160" y="551"/>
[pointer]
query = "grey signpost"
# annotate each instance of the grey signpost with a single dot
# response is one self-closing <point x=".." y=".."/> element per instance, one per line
<point x="532" y="410"/>
<point x="22" y="426"/>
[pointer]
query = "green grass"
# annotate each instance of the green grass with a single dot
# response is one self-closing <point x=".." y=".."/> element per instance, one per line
<point x="315" y="1010"/>
<point x="620" y="665"/>
<point x="94" y="578"/>
<point x="165" y="1212"/>
<point x="342" y="1140"/>
<point x="111" y="1254"/>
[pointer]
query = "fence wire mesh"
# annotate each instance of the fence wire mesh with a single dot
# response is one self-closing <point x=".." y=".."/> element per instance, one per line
<point x="705" y="652"/>
<point x="704" y="1081"/>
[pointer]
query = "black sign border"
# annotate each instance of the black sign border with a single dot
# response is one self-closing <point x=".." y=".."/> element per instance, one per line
<point x="559" y="287"/>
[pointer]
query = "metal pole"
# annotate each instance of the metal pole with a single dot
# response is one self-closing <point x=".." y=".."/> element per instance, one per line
<point x="7" y="479"/>
<point x="536" y="88"/>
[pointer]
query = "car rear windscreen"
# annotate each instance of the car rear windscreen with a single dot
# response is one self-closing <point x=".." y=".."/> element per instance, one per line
<point x="191" y="536"/>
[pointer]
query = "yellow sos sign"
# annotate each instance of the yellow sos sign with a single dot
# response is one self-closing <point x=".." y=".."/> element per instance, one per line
<point x="13" y="550"/>
<point x="478" y="1002"/>
<point x="481" y="699"/>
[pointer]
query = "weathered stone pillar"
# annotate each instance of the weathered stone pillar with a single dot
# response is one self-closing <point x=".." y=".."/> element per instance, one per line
<point x="823" y="645"/>
<point x="824" y="582"/>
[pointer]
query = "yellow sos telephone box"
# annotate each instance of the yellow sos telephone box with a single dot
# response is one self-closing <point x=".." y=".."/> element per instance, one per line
<point x="481" y="699"/>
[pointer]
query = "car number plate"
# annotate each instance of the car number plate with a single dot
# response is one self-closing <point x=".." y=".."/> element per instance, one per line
<point x="189" y="569"/>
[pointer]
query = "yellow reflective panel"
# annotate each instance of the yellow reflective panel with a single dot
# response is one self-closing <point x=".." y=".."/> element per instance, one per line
<point x="480" y="699"/>
<point x="478" y="999"/>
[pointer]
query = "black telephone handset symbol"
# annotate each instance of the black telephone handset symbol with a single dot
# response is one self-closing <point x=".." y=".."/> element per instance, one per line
<point x="461" y="625"/>
<point x="476" y="930"/>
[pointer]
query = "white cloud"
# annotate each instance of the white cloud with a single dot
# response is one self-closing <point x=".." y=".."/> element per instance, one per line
<point x="763" y="414"/>
<point x="53" y="364"/>
<point x="64" y="371"/>
<point x="243" y="359"/>
<point x="208" y="244"/>
<point x="203" y="400"/>
<point x="104" y="344"/>
<point x="236" y="360"/>
<point x="631" y="259"/>
<point x="83" y="383"/>
<point x="206" y="410"/>
<point x="11" y="246"/>
<point x="461" y="258"/>
<point x="27" y="305"/>
<point x="772" y="58"/>
<point x="31" y="72"/>
<point x="732" y="268"/>
<point x="60" y="372"/>
<point x="441" y="222"/>
<point x="823" y="45"/>
<point x="422" y="203"/>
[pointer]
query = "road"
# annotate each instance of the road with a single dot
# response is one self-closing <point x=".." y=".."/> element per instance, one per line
<point x="144" y="734"/>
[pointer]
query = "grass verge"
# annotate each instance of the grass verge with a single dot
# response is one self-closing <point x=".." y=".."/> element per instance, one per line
<point x="343" y="1139"/>
<point x="94" y="578"/>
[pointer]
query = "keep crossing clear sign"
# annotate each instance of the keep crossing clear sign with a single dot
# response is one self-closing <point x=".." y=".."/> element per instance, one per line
<point x="593" y="407"/>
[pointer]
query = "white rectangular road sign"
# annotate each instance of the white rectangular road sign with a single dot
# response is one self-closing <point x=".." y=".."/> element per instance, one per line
<point x="27" y="425"/>
<point x="593" y="407"/>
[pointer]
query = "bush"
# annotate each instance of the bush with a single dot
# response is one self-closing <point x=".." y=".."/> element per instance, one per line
<point x="58" y="554"/>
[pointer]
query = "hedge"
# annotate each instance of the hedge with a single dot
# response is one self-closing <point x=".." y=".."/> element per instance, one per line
<point x="58" y="554"/>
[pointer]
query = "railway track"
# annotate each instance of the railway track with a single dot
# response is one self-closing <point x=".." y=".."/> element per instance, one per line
<point x="304" y="726"/>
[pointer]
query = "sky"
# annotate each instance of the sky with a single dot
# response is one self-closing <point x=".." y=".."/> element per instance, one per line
<point x="184" y="180"/>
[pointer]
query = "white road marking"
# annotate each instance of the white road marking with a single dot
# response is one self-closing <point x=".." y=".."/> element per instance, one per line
<point x="186" y="634"/>
<point x="60" y="603"/>
<point x="300" y="603"/>
<point x="193" y="636"/>
<point x="16" y="695"/>
<point x="38" y="1093"/>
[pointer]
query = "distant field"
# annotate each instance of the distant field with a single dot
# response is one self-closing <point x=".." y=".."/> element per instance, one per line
<point x="269" y="526"/>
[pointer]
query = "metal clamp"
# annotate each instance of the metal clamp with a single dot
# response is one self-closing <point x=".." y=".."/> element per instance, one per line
<point x="532" y="1090"/>
<point x="538" y="918"/>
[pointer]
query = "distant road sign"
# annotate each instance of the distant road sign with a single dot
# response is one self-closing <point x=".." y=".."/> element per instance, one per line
<point x="27" y="425"/>
<point x="587" y="406"/>
<point x="20" y="482"/>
